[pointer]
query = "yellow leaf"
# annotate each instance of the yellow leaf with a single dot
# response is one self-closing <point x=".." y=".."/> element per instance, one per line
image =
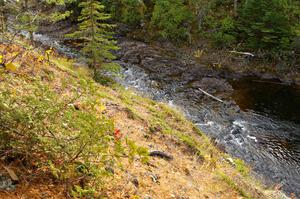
<point x="48" y="52"/>
<point x="14" y="54"/>
<point x="11" y="67"/>
<point x="198" y="53"/>
<point x="40" y="58"/>
<point x="1" y="59"/>
<point x="101" y="108"/>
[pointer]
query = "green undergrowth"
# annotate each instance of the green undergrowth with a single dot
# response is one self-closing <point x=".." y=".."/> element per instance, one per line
<point x="52" y="121"/>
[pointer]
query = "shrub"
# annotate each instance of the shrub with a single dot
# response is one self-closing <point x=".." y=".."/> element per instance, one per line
<point x="225" y="37"/>
<point x="222" y="40"/>
<point x="46" y="129"/>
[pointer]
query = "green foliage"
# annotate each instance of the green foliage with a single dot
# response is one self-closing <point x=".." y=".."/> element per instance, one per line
<point x="133" y="11"/>
<point x="172" y="19"/>
<point x="95" y="35"/>
<point x="266" y="25"/>
<point x="4" y="9"/>
<point x="25" y="19"/>
<point x="241" y="167"/>
<point x="44" y="128"/>
<point x="137" y="150"/>
<point x="28" y="21"/>
<point x="225" y="36"/>
<point x="233" y="185"/>
<point x="60" y="14"/>
<point x="104" y="80"/>
<point x="63" y="133"/>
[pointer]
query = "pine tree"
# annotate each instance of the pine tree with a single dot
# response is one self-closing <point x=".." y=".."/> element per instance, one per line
<point x="95" y="34"/>
<point x="62" y="12"/>
<point x="266" y="25"/>
<point x="172" y="19"/>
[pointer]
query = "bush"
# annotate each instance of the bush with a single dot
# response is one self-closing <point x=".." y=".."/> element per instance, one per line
<point x="223" y="40"/>
<point x="225" y="37"/>
<point x="62" y="131"/>
<point x="71" y="142"/>
<point x="130" y="12"/>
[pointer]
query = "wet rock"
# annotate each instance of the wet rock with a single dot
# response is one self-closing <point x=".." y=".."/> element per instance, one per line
<point x="236" y="131"/>
<point x="228" y="138"/>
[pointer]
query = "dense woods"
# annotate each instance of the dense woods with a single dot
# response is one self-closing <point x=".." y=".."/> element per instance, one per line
<point x="264" y="24"/>
<point x="256" y="26"/>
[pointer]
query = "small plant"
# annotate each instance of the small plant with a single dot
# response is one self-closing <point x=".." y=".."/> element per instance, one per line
<point x="241" y="167"/>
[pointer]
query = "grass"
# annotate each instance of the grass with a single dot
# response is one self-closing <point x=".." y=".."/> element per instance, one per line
<point x="233" y="185"/>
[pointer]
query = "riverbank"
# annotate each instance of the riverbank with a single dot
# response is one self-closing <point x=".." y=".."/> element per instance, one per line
<point x="269" y="144"/>
<point x="193" y="167"/>
<point x="201" y="51"/>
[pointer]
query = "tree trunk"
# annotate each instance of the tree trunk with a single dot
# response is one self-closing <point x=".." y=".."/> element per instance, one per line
<point x="235" y="8"/>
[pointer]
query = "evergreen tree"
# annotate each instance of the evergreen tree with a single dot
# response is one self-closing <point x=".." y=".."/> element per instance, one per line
<point x="172" y="18"/>
<point x="265" y="24"/>
<point x="62" y="12"/>
<point x="95" y="34"/>
<point x="131" y="12"/>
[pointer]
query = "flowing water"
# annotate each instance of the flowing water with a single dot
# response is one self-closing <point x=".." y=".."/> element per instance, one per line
<point x="259" y="121"/>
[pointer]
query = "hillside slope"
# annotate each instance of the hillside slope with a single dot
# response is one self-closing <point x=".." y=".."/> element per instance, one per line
<point x="182" y="162"/>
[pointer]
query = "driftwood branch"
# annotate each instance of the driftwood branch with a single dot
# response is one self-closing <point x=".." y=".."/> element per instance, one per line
<point x="242" y="53"/>
<point x="209" y="95"/>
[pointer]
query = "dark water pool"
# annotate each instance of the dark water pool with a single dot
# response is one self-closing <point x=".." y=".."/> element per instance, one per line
<point x="276" y="126"/>
<point x="268" y="97"/>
